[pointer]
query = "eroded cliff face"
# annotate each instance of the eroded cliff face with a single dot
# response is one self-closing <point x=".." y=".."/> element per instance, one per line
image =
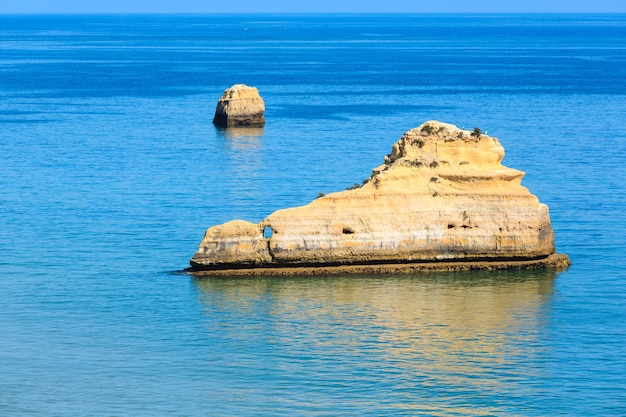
<point x="240" y="106"/>
<point x="442" y="195"/>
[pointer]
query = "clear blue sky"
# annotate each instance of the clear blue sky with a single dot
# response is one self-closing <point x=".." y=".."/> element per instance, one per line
<point x="297" y="6"/>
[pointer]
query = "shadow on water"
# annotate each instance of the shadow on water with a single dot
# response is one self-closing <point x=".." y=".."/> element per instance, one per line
<point x="343" y="112"/>
<point x="507" y="282"/>
<point x="423" y="338"/>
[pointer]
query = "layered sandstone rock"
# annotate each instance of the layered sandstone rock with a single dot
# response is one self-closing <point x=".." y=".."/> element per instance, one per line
<point x="441" y="200"/>
<point x="240" y="105"/>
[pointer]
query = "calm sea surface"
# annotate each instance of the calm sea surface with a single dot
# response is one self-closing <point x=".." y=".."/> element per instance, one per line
<point x="111" y="170"/>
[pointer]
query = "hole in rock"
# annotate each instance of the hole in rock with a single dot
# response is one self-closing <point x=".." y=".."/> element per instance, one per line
<point x="267" y="232"/>
<point x="348" y="230"/>
<point x="450" y="226"/>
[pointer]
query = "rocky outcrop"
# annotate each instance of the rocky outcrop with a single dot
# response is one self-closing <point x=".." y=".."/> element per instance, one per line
<point x="441" y="200"/>
<point x="240" y="105"/>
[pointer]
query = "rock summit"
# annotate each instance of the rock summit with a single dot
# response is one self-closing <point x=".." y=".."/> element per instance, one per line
<point x="441" y="200"/>
<point x="240" y="105"/>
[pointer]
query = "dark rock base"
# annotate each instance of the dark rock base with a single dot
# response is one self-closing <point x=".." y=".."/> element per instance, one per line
<point x="556" y="261"/>
<point x="222" y="120"/>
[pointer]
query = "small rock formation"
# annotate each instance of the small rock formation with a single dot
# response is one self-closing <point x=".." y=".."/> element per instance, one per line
<point x="441" y="201"/>
<point x="240" y="105"/>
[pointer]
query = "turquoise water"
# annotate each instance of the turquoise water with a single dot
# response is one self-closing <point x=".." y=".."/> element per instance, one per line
<point x="111" y="171"/>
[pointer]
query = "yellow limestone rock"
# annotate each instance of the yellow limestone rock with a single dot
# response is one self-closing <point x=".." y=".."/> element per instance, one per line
<point x="240" y="105"/>
<point x="442" y="200"/>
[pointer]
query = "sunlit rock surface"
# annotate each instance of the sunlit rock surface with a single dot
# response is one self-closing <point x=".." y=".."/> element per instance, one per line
<point x="240" y="105"/>
<point x="441" y="200"/>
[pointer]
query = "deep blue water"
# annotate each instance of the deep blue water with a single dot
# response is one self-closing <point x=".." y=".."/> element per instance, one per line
<point x="110" y="171"/>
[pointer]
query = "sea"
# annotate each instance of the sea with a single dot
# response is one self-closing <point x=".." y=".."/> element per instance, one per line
<point x="111" y="170"/>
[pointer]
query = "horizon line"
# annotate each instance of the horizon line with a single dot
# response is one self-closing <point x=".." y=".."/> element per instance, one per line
<point x="311" y="13"/>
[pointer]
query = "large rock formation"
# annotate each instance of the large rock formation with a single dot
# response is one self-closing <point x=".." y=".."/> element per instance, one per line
<point x="240" y="105"/>
<point x="441" y="200"/>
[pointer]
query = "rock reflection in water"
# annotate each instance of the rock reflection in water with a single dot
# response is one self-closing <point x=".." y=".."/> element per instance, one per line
<point x="242" y="147"/>
<point x="426" y="343"/>
<point x="239" y="170"/>
<point x="240" y="132"/>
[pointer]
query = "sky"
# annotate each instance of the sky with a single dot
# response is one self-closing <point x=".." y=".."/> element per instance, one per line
<point x="316" y="6"/>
